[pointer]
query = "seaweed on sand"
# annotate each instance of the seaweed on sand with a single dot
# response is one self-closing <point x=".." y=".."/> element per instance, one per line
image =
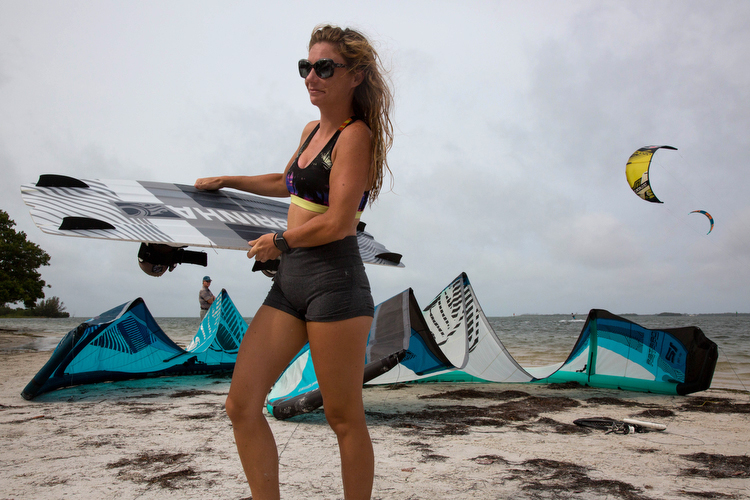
<point x="149" y="468"/>
<point x="717" y="466"/>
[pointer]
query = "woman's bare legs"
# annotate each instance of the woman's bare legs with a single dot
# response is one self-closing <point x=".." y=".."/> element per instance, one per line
<point x="271" y="341"/>
<point x="338" y="353"/>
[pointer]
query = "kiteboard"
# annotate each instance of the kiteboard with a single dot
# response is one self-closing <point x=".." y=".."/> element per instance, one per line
<point x="645" y="425"/>
<point x="624" y="426"/>
<point x="166" y="218"/>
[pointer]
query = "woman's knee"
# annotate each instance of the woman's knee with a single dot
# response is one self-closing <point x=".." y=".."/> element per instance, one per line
<point x="240" y="409"/>
<point x="342" y="420"/>
<point x="232" y="408"/>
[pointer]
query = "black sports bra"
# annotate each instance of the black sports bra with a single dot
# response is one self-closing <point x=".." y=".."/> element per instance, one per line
<point x="309" y="186"/>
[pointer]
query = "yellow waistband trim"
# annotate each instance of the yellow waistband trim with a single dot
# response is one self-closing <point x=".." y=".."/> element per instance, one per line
<point x="314" y="207"/>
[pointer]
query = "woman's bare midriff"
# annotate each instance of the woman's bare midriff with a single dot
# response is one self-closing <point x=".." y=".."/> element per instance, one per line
<point x="298" y="216"/>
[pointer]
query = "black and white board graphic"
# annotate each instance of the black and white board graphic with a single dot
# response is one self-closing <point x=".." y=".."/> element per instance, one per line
<point x="164" y="213"/>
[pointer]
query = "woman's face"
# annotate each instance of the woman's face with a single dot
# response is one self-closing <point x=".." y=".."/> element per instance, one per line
<point x="329" y="90"/>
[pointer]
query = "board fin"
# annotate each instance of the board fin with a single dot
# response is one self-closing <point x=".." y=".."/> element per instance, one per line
<point x="390" y="257"/>
<point x="74" y="223"/>
<point x="56" y="180"/>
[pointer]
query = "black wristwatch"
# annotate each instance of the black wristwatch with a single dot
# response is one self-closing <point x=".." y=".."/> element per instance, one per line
<point x="280" y="242"/>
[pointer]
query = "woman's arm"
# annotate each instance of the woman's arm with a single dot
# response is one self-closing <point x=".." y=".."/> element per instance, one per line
<point x="264" y="185"/>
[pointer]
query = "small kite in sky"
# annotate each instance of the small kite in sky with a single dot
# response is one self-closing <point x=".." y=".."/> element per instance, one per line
<point x="711" y="219"/>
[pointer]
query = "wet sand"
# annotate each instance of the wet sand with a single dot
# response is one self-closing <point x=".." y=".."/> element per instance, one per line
<point x="170" y="438"/>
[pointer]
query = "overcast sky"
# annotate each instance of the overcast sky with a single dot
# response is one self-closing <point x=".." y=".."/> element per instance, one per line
<point x="514" y="121"/>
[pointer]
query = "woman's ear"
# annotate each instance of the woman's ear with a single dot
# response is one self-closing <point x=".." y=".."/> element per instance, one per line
<point x="359" y="77"/>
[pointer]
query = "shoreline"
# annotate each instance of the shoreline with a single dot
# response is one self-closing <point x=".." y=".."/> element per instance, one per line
<point x="170" y="438"/>
<point x="14" y="341"/>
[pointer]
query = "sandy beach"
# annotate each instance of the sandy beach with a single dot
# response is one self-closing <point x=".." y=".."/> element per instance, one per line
<point x="170" y="438"/>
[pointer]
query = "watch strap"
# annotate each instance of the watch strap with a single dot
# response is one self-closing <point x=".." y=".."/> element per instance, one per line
<point x="280" y="242"/>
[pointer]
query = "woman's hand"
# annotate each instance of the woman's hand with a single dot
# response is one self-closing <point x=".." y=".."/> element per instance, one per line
<point x="263" y="249"/>
<point x="209" y="183"/>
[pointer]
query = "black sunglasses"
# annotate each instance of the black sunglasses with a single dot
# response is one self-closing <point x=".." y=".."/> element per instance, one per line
<point x="324" y="68"/>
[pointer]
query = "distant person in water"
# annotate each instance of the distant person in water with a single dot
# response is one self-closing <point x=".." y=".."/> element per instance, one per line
<point x="205" y="297"/>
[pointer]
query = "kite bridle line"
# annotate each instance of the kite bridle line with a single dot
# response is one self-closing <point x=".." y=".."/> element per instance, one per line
<point x="733" y="370"/>
<point x="288" y="440"/>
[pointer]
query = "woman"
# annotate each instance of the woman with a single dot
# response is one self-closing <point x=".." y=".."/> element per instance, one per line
<point x="320" y="293"/>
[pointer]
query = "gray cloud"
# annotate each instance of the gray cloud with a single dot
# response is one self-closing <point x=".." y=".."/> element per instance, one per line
<point x="513" y="126"/>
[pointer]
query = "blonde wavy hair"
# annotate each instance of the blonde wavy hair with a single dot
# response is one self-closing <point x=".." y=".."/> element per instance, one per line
<point x="373" y="98"/>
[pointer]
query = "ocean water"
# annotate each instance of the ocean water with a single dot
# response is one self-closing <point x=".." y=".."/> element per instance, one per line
<point x="533" y="340"/>
<point x="43" y="334"/>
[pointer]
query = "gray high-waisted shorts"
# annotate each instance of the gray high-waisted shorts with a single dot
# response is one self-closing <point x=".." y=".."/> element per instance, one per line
<point x="324" y="283"/>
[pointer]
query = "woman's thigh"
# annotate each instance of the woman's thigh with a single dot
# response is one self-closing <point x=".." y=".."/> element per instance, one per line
<point x="272" y="339"/>
<point x="338" y="352"/>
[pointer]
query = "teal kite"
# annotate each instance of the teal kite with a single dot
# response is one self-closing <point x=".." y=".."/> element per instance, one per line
<point x="711" y="219"/>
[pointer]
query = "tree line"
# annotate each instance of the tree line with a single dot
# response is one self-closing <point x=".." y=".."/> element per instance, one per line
<point x="20" y="279"/>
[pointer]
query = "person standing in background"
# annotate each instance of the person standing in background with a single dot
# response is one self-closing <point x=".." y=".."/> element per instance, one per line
<point x="205" y="297"/>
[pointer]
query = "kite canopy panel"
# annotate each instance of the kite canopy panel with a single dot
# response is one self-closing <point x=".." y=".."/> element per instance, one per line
<point x="458" y="322"/>
<point x="611" y="352"/>
<point x="127" y="343"/>
<point x="637" y="172"/>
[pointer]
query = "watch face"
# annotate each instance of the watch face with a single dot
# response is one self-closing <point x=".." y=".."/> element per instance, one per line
<point x="280" y="242"/>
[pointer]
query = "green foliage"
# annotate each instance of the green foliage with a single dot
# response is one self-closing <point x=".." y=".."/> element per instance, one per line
<point x="50" y="308"/>
<point x="19" y="261"/>
<point x="10" y="312"/>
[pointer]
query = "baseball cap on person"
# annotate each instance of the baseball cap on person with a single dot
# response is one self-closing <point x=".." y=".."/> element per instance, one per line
<point x="207" y="278"/>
